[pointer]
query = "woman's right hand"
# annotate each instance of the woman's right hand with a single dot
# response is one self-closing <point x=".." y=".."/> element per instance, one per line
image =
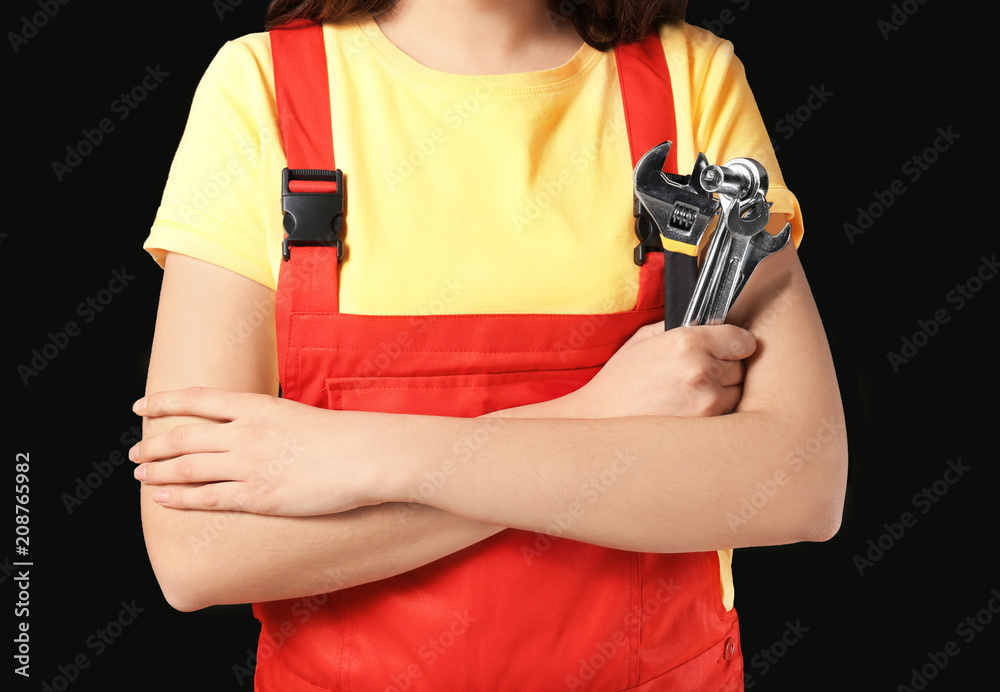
<point x="687" y="371"/>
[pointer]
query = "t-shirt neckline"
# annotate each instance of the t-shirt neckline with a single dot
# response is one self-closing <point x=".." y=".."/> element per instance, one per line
<point x="542" y="80"/>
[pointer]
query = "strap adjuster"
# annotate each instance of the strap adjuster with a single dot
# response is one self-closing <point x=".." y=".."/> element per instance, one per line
<point x="312" y="218"/>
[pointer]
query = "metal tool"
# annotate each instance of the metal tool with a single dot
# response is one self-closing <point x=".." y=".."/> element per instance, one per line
<point x="680" y="208"/>
<point x="672" y="213"/>
<point x="746" y="246"/>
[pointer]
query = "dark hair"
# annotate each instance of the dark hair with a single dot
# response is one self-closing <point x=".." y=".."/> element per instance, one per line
<point x="601" y="23"/>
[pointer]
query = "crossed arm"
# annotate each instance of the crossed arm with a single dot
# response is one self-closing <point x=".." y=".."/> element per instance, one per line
<point x="676" y="476"/>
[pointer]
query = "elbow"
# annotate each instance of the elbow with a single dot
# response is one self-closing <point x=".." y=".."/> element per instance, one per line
<point x="182" y="582"/>
<point x="823" y="483"/>
<point x="809" y="479"/>
<point x="183" y="569"/>
<point x="180" y="596"/>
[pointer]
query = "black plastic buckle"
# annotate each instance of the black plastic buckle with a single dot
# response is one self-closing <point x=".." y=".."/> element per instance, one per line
<point x="646" y="232"/>
<point x="312" y="218"/>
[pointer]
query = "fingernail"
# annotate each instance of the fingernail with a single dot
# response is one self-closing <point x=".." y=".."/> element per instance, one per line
<point x="139" y="406"/>
<point x="140" y="473"/>
<point x="133" y="453"/>
<point x="161" y="496"/>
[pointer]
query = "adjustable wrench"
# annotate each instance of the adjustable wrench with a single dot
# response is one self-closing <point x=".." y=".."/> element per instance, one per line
<point x="672" y="213"/>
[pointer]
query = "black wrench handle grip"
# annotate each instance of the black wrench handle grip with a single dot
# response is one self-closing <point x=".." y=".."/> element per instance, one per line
<point x="680" y="273"/>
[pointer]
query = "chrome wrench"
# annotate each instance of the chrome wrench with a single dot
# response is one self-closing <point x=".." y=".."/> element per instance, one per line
<point x="672" y="213"/>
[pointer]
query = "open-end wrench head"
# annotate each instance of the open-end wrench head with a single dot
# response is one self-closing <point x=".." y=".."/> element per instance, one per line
<point x="749" y="218"/>
<point x="768" y="244"/>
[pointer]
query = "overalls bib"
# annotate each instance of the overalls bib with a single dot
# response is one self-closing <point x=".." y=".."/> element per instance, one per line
<point x="519" y="611"/>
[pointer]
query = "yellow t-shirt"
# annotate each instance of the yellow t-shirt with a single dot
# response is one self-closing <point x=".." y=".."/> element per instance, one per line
<point x="505" y="193"/>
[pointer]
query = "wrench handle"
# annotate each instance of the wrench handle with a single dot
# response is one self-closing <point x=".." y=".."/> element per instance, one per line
<point x="680" y="273"/>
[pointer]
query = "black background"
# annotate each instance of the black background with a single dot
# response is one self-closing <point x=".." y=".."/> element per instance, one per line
<point x="890" y="96"/>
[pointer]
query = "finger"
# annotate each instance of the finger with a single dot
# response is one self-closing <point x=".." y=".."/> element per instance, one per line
<point x="205" y="402"/>
<point x="646" y="332"/>
<point x="729" y="399"/>
<point x="183" y="439"/>
<point x="729" y="342"/>
<point x="212" y="496"/>
<point x="731" y="372"/>
<point x="190" y="468"/>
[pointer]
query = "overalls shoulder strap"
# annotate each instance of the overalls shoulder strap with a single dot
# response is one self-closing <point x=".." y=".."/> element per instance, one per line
<point x="302" y="95"/>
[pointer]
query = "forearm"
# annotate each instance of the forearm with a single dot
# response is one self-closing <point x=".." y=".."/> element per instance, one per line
<point x="208" y="558"/>
<point x="204" y="558"/>
<point x="772" y="472"/>
<point x="652" y="484"/>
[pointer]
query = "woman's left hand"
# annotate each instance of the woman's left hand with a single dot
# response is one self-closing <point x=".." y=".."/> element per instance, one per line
<point x="268" y="455"/>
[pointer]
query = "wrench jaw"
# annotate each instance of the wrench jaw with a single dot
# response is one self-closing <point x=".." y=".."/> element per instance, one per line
<point x="760" y="247"/>
<point x="674" y="211"/>
<point x="667" y="206"/>
<point x="745" y="254"/>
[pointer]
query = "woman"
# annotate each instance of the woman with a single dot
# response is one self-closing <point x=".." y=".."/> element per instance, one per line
<point x="578" y="532"/>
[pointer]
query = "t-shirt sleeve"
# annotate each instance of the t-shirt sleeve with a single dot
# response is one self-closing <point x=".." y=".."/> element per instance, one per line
<point x="725" y="120"/>
<point x="214" y="206"/>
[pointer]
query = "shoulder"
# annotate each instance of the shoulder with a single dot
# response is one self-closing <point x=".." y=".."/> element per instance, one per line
<point x="697" y="51"/>
<point x="244" y="55"/>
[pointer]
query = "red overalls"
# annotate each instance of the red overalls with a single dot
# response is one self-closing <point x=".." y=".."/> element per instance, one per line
<point x="519" y="611"/>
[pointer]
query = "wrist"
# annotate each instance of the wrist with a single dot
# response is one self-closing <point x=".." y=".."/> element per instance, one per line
<point x="402" y="459"/>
